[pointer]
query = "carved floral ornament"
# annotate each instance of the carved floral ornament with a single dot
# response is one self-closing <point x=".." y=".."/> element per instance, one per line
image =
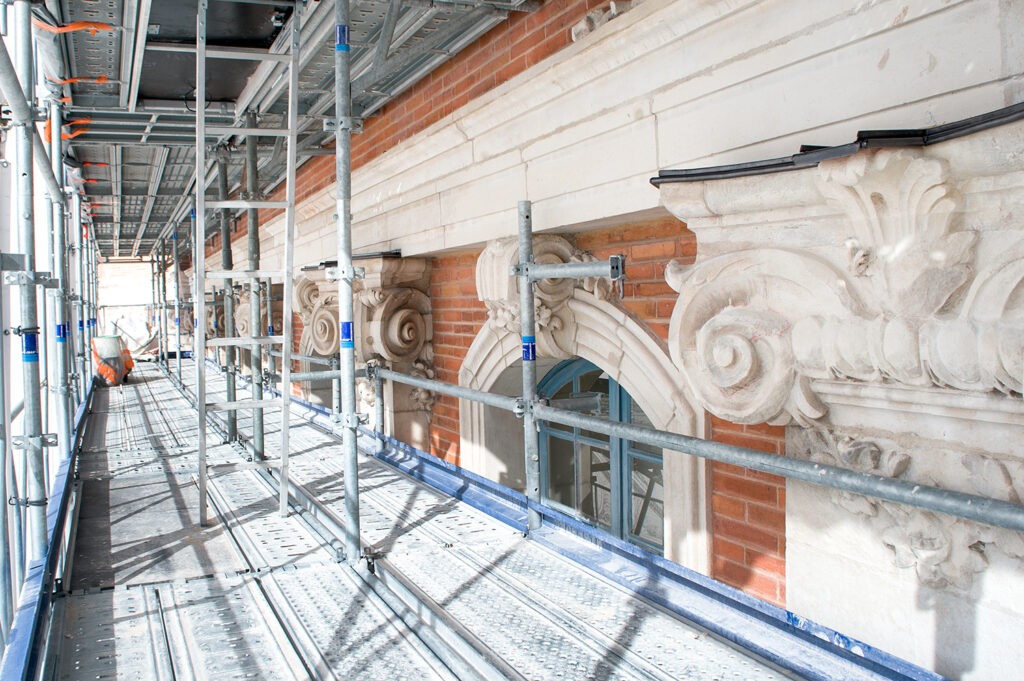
<point x="902" y="298"/>
<point x="944" y="551"/>
<point x="499" y="291"/>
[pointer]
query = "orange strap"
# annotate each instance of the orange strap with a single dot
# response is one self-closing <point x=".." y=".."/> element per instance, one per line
<point x="92" y="26"/>
<point x="73" y="135"/>
<point x="102" y="78"/>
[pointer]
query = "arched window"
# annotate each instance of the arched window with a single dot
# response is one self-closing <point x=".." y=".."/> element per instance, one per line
<point x="613" y="483"/>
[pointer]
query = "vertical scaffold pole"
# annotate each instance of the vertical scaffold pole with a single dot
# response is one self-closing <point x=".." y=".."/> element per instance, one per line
<point x="252" y="190"/>
<point x="6" y="479"/>
<point x="154" y="296"/>
<point x="227" y="263"/>
<point x="60" y="266"/>
<point x="199" y="255"/>
<point x="287" y="332"/>
<point x="77" y="245"/>
<point x="32" y="421"/>
<point x="346" y="273"/>
<point x="163" y="307"/>
<point x="528" y="326"/>
<point x="177" y="300"/>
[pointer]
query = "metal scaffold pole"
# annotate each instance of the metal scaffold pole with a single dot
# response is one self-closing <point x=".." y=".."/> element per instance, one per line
<point x="199" y="255"/>
<point x="292" y="125"/>
<point x="177" y="301"/>
<point x="529" y="340"/>
<point x="166" y="339"/>
<point x="252" y="193"/>
<point x="32" y="419"/>
<point x="346" y="274"/>
<point x="226" y="263"/>
<point x="154" y="296"/>
<point x="78" y="245"/>
<point x="60" y="383"/>
<point x="6" y="485"/>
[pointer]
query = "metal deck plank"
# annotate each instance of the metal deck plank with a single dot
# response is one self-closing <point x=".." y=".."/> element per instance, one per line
<point x="544" y="615"/>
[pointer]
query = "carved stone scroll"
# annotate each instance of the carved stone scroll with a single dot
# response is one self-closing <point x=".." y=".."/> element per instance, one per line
<point x="392" y="326"/>
<point x="899" y="295"/>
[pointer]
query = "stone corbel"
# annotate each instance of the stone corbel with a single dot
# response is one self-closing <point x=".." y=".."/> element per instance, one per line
<point x="863" y="275"/>
<point x="392" y="326"/>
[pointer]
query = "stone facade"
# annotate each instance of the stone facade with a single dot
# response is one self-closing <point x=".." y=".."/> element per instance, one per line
<point x="874" y="304"/>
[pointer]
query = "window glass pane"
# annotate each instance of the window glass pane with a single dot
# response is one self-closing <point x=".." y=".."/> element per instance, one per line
<point x="561" y="472"/>
<point x="647" y="500"/>
<point x="595" y="480"/>
<point x="639" y="418"/>
<point x="594" y="381"/>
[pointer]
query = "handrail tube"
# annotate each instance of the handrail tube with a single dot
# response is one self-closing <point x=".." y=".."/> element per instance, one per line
<point x="21" y="655"/>
<point x="513" y="404"/>
<point x="960" y="504"/>
<point x="325" y="361"/>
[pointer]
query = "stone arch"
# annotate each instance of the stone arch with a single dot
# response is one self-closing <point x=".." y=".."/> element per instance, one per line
<point x="629" y="352"/>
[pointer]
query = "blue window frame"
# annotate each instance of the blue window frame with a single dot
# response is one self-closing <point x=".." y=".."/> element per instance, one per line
<point x="612" y="483"/>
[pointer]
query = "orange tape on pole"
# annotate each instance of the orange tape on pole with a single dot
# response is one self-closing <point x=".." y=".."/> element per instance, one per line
<point x="93" y="27"/>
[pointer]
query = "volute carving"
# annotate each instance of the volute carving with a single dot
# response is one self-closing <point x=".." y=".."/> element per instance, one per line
<point x="898" y="298"/>
<point x="392" y="317"/>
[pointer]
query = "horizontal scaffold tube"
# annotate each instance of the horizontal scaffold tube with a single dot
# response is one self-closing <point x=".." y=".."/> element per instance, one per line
<point x="499" y="401"/>
<point x="969" y="506"/>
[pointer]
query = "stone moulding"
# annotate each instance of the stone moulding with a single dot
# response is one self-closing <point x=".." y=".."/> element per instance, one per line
<point x="891" y="287"/>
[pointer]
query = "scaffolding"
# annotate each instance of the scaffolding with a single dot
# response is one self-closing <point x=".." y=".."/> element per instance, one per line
<point x="25" y="553"/>
<point x="227" y="274"/>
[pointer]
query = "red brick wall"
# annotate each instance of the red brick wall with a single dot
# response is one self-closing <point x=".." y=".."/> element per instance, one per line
<point x="748" y="515"/>
<point x="458" y="316"/>
<point x="648" y="247"/>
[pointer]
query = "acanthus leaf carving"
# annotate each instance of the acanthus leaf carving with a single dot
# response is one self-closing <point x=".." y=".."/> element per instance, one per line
<point x="944" y="551"/>
<point x="900" y="207"/>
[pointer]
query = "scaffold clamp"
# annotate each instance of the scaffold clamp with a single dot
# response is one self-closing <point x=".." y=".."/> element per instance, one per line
<point x="347" y="123"/>
<point x="40" y="441"/>
<point x="347" y="274"/>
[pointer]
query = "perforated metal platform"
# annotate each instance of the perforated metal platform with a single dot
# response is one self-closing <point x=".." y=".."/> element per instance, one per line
<point x="258" y="595"/>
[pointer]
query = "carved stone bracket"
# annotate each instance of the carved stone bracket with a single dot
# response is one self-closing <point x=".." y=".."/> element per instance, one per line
<point x="889" y="288"/>
<point x="392" y="318"/>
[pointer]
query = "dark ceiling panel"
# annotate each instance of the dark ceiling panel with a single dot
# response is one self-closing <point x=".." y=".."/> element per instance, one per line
<point x="170" y="75"/>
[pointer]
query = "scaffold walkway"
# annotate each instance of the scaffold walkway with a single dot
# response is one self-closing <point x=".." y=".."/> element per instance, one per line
<point x="152" y="594"/>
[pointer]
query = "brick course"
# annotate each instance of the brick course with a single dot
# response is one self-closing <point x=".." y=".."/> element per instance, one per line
<point x="748" y="514"/>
